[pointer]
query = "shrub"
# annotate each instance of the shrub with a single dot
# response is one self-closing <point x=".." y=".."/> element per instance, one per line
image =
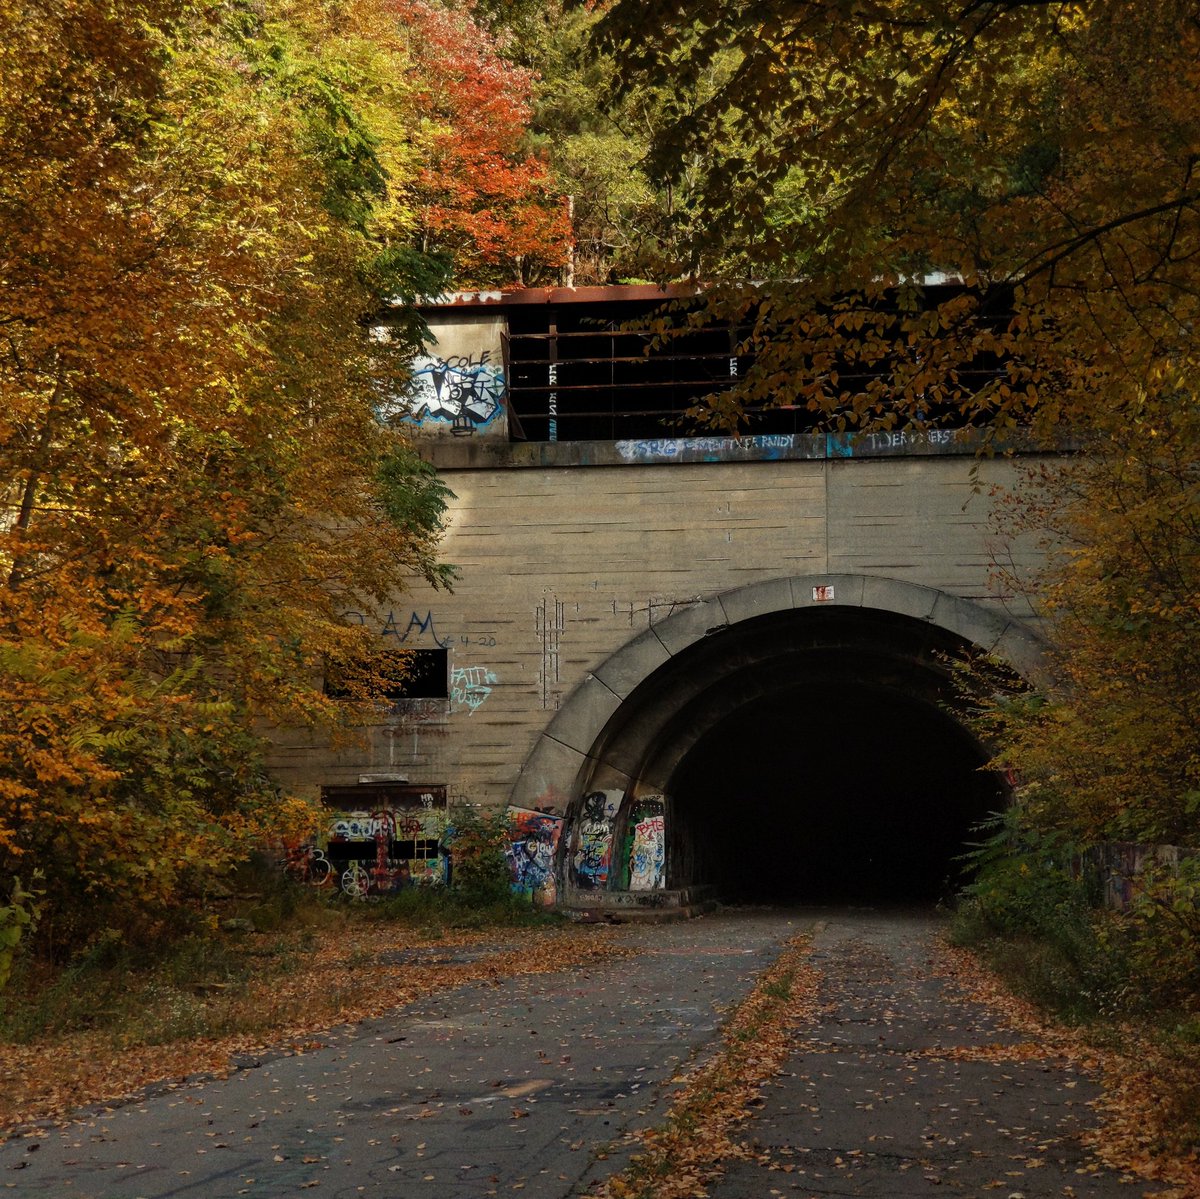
<point x="1036" y="919"/>
<point x="478" y="839"/>
<point x="18" y="919"/>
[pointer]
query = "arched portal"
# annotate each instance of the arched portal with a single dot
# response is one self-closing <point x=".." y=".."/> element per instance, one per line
<point x="794" y="740"/>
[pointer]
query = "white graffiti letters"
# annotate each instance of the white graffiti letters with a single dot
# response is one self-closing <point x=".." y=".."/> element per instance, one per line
<point x="706" y="449"/>
<point x="648" y="855"/>
<point x="465" y="391"/>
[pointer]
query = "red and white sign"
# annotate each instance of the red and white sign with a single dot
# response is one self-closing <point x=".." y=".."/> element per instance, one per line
<point x="823" y="595"/>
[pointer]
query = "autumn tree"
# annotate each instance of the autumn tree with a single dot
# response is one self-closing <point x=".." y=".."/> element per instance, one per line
<point x="199" y="211"/>
<point x="1044" y="157"/>
<point x="628" y="219"/>
<point x="1038" y="161"/>
<point x="481" y="193"/>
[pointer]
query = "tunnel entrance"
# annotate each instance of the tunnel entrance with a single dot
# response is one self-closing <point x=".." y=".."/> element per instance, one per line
<point x="806" y="755"/>
<point x="838" y="792"/>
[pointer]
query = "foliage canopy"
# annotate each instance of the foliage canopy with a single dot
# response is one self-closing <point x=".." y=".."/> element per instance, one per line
<point x="198" y="207"/>
<point x="1044" y="157"/>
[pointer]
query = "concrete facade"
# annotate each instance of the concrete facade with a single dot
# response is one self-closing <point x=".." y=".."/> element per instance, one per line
<point x="620" y="599"/>
<point x="578" y="581"/>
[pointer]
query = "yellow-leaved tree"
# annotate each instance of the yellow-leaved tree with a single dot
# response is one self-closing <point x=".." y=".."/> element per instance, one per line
<point x="1039" y="162"/>
<point x="195" y="220"/>
<point x="989" y="212"/>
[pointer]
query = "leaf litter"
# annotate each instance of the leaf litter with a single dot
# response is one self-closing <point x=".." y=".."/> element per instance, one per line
<point x="684" y="1155"/>
<point x="359" y="974"/>
<point x="1138" y="1125"/>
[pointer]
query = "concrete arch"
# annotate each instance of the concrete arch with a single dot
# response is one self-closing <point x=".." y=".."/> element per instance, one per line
<point x="579" y="749"/>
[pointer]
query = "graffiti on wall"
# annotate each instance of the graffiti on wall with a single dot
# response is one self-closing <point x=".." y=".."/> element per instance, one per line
<point x="421" y="626"/>
<point x="647" y="845"/>
<point x="377" y="852"/>
<point x="592" y="858"/>
<point x="463" y="391"/>
<point x="709" y="449"/>
<point x="550" y="619"/>
<point x="469" y="687"/>
<point x="419" y="629"/>
<point x="532" y="847"/>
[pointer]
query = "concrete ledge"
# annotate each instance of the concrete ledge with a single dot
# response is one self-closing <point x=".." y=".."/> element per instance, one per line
<point x="621" y="906"/>
<point x="480" y="453"/>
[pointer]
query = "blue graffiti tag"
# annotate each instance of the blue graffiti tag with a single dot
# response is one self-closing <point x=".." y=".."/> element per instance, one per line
<point x="465" y="392"/>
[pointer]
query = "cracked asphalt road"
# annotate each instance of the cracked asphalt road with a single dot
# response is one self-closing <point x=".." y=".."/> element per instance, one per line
<point x="886" y="1095"/>
<point x="483" y="1090"/>
<point x="535" y="1084"/>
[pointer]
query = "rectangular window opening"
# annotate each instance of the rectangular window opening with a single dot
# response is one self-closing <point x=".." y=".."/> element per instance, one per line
<point x="425" y="675"/>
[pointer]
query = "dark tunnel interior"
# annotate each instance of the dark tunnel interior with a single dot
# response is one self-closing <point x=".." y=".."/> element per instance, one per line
<point x="836" y="792"/>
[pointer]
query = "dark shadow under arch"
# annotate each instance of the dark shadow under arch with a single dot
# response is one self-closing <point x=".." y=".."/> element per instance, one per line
<point x="866" y="797"/>
<point x="840" y="680"/>
<point x="806" y="756"/>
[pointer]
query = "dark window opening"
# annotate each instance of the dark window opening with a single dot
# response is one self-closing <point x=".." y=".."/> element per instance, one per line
<point x="398" y="675"/>
<point x="581" y="372"/>
<point x="596" y="371"/>
<point x="422" y="849"/>
<point x="374" y="797"/>
<point x="362" y="812"/>
<point x="428" y="676"/>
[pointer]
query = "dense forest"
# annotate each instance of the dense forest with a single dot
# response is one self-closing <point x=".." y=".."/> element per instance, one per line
<point x="202" y="205"/>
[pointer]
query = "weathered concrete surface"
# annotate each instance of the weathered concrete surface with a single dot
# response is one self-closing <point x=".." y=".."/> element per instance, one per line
<point x="568" y="561"/>
<point x="882" y="1099"/>
<point x="516" y="1088"/>
<point x="473" y="1093"/>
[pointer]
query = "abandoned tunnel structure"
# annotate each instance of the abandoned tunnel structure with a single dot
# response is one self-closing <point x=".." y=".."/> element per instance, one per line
<point x="811" y="753"/>
<point x="674" y="659"/>
<point x="831" y="769"/>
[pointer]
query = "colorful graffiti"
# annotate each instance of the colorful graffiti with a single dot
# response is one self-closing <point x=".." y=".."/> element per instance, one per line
<point x="470" y="686"/>
<point x="465" y="392"/>
<point x="377" y="852"/>
<point x="306" y="863"/>
<point x="772" y="447"/>
<point x="648" y="845"/>
<point x="710" y="449"/>
<point x="592" y="858"/>
<point x="531" y="852"/>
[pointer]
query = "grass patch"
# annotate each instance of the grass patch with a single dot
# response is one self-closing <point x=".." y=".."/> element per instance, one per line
<point x="436" y="909"/>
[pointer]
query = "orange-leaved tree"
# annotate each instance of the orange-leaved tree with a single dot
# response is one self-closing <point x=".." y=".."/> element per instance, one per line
<point x="481" y="192"/>
<point x="195" y="486"/>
